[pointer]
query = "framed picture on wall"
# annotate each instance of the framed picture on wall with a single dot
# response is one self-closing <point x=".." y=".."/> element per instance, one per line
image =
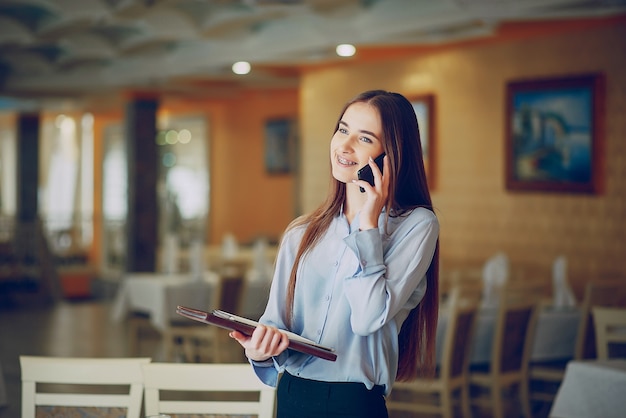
<point x="424" y="107"/>
<point x="554" y="134"/>
<point x="280" y="146"/>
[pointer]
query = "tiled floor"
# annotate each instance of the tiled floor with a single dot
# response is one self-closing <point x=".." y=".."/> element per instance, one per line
<point x="68" y="329"/>
<point x="79" y="329"/>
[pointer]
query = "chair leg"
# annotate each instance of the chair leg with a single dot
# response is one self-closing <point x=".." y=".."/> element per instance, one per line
<point x="168" y="346"/>
<point x="498" y="405"/>
<point x="465" y="402"/>
<point x="525" y="399"/>
<point x="133" y="336"/>
<point x="189" y="349"/>
<point x="445" y="399"/>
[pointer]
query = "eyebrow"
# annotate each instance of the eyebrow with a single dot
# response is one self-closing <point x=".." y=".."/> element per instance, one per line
<point x="341" y="122"/>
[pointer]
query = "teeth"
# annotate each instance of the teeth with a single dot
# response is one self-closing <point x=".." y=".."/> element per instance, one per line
<point x="342" y="161"/>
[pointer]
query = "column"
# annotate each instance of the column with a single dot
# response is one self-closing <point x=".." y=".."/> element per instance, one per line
<point x="27" y="167"/>
<point x="142" y="222"/>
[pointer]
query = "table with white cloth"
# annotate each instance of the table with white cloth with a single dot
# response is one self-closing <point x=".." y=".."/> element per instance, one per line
<point x="592" y="388"/>
<point x="554" y="338"/>
<point x="157" y="295"/>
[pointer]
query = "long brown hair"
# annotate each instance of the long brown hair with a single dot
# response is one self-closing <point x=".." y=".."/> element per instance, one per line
<point x="408" y="190"/>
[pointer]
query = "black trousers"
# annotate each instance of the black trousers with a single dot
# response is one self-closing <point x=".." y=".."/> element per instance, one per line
<point x="304" y="398"/>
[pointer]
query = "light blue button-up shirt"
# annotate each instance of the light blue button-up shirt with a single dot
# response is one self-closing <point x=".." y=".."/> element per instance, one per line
<point x="354" y="290"/>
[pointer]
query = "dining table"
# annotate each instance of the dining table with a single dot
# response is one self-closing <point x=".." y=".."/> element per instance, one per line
<point x="554" y="336"/>
<point x="590" y="389"/>
<point x="157" y="295"/>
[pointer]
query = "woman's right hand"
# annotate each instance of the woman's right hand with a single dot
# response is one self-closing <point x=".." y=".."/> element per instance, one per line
<point x="264" y="343"/>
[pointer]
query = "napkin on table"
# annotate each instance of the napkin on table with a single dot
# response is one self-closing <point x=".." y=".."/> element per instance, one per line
<point x="261" y="268"/>
<point x="230" y="248"/>
<point x="170" y="253"/>
<point x="196" y="259"/>
<point x="495" y="275"/>
<point x="563" y="294"/>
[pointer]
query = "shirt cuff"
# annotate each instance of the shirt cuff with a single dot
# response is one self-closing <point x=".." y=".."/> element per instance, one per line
<point x="265" y="363"/>
<point x="368" y="247"/>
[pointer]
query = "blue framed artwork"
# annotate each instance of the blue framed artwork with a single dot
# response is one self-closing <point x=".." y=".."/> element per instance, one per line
<point x="280" y="146"/>
<point x="553" y="134"/>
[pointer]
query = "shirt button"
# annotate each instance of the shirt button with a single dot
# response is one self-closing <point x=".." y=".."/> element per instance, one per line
<point x="327" y="298"/>
<point x="364" y="263"/>
<point x="319" y="332"/>
<point x="336" y="263"/>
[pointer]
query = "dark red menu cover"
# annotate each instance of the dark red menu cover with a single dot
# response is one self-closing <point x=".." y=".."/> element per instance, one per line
<point x="246" y="326"/>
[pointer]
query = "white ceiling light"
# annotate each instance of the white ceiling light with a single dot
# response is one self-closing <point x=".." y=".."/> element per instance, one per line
<point x="345" y="50"/>
<point x="241" y="67"/>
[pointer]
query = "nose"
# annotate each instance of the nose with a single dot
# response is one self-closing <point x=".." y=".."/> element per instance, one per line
<point x="347" y="144"/>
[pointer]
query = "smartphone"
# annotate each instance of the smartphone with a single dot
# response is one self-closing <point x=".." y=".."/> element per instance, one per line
<point x="366" y="174"/>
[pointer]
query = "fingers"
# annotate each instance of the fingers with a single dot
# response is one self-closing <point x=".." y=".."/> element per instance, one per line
<point x="265" y="342"/>
<point x="380" y="177"/>
<point x="268" y="340"/>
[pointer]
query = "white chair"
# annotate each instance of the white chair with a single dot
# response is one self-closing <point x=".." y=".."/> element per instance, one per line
<point x="97" y="373"/>
<point x="610" y="325"/>
<point x="203" y="379"/>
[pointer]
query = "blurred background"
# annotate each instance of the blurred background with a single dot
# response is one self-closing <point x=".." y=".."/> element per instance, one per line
<point x="166" y="136"/>
<point x="123" y="122"/>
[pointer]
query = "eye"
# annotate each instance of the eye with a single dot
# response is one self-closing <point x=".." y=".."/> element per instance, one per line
<point x="366" y="139"/>
<point x="342" y="130"/>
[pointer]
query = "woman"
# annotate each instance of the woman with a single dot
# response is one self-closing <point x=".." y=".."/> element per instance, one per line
<point x="358" y="274"/>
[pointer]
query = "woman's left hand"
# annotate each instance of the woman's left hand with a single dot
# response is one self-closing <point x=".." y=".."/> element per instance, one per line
<point x="376" y="195"/>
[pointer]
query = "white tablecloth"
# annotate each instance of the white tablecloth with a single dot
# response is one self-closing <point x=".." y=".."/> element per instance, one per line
<point x="592" y="388"/>
<point x="555" y="334"/>
<point x="157" y="295"/>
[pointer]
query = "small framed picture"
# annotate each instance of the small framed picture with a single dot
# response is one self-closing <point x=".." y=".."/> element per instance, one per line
<point x="280" y="146"/>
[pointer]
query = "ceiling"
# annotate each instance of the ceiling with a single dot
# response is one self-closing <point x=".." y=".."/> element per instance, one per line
<point x="74" y="47"/>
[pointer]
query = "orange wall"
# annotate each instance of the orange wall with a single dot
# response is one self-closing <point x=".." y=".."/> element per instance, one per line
<point x="244" y="199"/>
<point x="478" y="215"/>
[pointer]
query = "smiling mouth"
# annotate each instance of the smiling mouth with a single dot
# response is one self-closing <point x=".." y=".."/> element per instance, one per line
<point x="343" y="161"/>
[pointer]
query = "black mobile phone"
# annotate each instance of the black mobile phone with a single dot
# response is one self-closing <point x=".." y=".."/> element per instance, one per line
<point x="365" y="173"/>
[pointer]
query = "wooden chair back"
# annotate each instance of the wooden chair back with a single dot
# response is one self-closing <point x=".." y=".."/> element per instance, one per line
<point x="607" y="293"/>
<point x="204" y="380"/>
<point x="232" y="289"/>
<point x="514" y="331"/>
<point x="462" y="312"/>
<point x="437" y="395"/>
<point x="76" y="381"/>
<point x="610" y="326"/>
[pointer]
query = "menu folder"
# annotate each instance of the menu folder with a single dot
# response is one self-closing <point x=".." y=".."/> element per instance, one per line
<point x="246" y="326"/>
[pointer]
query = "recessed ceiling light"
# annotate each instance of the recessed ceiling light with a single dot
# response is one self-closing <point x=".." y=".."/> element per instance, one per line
<point x="345" y="50"/>
<point x="241" y="67"/>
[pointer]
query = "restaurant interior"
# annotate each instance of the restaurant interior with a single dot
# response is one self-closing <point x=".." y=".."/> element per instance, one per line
<point x="139" y="171"/>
